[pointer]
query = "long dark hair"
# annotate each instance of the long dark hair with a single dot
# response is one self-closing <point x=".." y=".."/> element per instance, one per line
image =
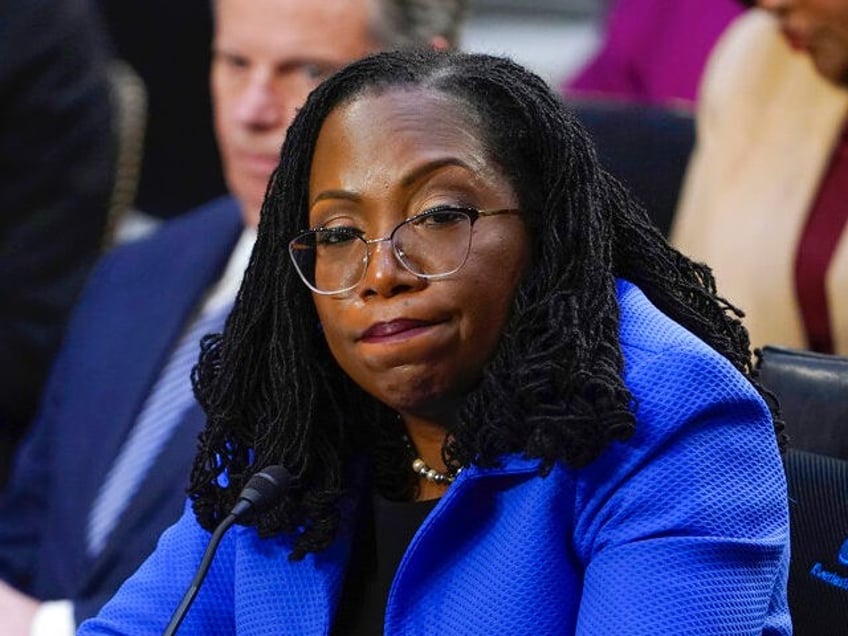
<point x="553" y="390"/>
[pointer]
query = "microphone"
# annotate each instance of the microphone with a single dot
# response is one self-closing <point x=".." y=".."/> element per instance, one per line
<point x="262" y="491"/>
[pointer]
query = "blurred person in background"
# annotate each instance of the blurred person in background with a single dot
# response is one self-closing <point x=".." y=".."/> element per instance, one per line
<point x="104" y="469"/>
<point x="764" y="201"/>
<point x="653" y="51"/>
<point x="56" y="174"/>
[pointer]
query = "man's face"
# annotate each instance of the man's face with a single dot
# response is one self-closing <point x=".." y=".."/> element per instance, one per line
<point x="818" y="27"/>
<point x="267" y="56"/>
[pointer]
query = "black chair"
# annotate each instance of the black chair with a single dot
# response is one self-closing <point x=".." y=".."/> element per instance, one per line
<point x="646" y="147"/>
<point x="813" y="392"/>
<point x="818" y="571"/>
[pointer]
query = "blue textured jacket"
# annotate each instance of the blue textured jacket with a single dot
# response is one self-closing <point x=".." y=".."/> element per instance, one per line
<point x="683" y="529"/>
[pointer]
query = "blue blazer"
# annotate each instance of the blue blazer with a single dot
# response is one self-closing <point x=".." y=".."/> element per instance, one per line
<point x="682" y="529"/>
<point x="135" y="306"/>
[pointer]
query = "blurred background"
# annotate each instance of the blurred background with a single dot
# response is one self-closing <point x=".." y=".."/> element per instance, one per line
<point x="553" y="37"/>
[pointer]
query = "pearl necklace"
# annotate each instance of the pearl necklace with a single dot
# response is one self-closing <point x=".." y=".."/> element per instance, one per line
<point x="420" y="468"/>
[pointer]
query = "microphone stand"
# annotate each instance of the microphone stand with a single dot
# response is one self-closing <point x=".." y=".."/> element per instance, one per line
<point x="262" y="490"/>
<point x="197" y="581"/>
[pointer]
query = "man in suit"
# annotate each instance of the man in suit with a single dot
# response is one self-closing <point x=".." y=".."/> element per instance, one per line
<point x="88" y="499"/>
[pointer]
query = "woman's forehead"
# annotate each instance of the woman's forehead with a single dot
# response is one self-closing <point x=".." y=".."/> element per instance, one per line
<point x="407" y="103"/>
<point x="385" y="135"/>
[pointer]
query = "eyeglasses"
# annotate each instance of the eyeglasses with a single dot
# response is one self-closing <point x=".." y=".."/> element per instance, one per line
<point x="433" y="244"/>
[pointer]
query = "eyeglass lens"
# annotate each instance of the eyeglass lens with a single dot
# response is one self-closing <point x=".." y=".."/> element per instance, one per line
<point x="431" y="244"/>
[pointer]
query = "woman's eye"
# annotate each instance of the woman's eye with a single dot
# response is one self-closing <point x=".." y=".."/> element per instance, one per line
<point x="335" y="236"/>
<point x="443" y="216"/>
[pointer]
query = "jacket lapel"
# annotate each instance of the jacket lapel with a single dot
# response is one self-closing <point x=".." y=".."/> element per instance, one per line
<point x="150" y="290"/>
<point x="161" y="300"/>
<point x="467" y="519"/>
<point x="161" y="495"/>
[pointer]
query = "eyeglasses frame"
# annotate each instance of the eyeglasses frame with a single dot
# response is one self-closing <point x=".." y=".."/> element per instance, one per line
<point x="473" y="214"/>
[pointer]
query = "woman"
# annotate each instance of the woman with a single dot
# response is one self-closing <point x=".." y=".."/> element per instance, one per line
<point x="492" y="429"/>
<point x="764" y="196"/>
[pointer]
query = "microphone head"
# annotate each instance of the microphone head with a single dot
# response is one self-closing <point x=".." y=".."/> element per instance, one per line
<point x="263" y="490"/>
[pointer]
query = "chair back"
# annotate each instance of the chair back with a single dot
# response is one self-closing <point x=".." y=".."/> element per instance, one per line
<point x="812" y="389"/>
<point x="818" y="571"/>
<point x="646" y="147"/>
<point x="129" y="102"/>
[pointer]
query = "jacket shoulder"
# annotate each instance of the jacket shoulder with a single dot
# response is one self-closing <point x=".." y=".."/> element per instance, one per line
<point x="644" y="328"/>
<point x="213" y="221"/>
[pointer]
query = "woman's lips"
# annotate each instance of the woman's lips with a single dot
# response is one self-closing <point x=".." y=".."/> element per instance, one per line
<point x="395" y="330"/>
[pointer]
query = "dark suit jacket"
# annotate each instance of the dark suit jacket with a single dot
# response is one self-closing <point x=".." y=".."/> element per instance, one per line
<point x="130" y="315"/>
<point x="56" y="165"/>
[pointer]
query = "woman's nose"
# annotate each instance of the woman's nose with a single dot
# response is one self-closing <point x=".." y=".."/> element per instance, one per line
<point x="385" y="275"/>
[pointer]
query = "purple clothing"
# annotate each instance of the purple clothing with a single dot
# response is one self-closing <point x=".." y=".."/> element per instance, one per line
<point x="654" y="50"/>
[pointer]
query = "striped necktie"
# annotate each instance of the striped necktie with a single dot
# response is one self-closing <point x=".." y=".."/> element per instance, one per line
<point x="162" y="412"/>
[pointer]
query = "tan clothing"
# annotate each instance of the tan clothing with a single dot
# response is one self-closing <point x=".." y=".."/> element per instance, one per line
<point x="767" y="124"/>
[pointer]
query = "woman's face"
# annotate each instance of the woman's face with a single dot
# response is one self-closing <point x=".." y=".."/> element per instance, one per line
<point x="819" y="27"/>
<point x="417" y="345"/>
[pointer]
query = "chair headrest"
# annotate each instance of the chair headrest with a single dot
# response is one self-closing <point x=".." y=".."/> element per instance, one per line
<point x="812" y="389"/>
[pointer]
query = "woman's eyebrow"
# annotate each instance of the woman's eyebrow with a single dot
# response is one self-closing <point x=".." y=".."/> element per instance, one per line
<point x="408" y="180"/>
<point x="336" y="194"/>
<point x="432" y="166"/>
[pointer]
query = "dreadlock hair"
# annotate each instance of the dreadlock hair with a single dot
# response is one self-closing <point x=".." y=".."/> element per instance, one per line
<point x="553" y="388"/>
